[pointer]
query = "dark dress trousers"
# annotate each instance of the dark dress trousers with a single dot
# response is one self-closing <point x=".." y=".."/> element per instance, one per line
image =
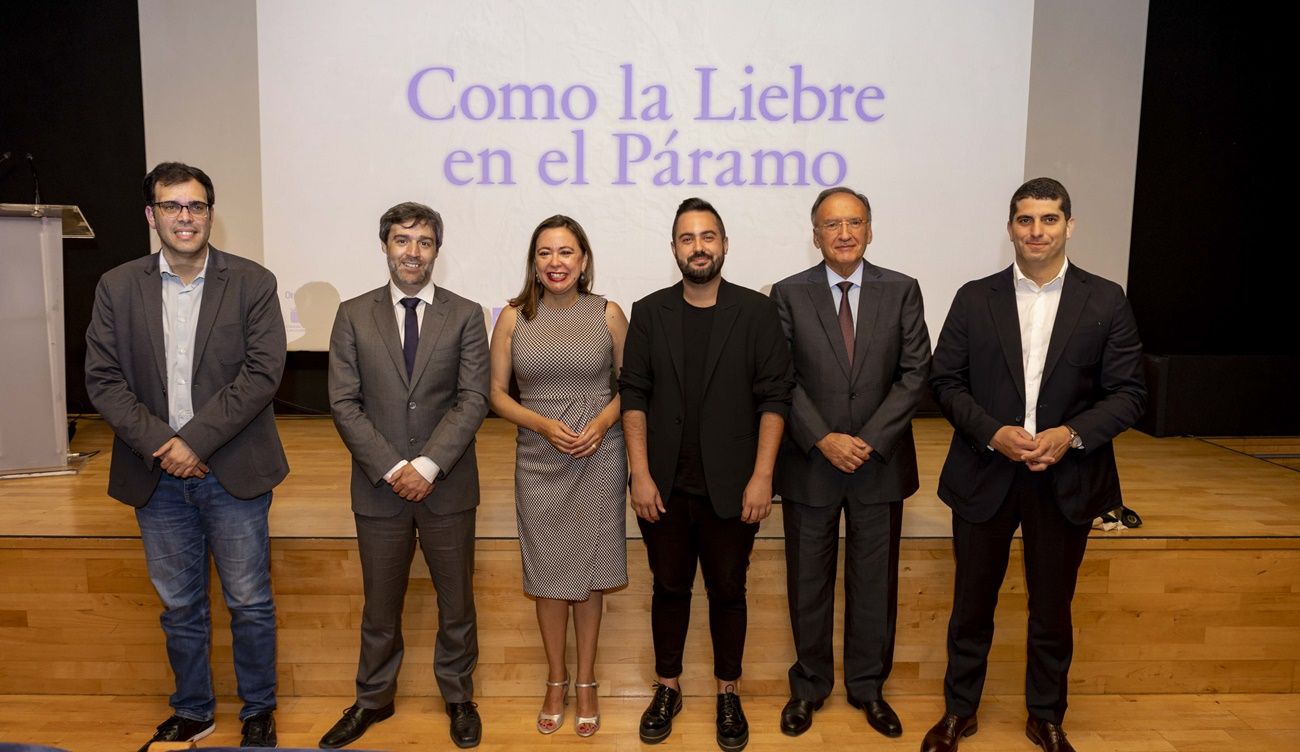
<point x="1092" y="381"/>
<point x="384" y="417"/>
<point x="874" y="398"/>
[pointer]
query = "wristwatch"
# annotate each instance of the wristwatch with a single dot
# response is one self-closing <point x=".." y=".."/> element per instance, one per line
<point x="1076" y="441"/>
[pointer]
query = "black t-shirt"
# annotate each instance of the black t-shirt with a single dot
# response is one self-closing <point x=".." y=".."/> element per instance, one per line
<point x="696" y="325"/>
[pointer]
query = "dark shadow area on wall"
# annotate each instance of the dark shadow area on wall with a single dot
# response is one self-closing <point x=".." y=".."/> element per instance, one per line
<point x="70" y="95"/>
<point x="1207" y="267"/>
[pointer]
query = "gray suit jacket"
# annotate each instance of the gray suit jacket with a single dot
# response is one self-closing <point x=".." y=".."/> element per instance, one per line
<point x="239" y="351"/>
<point x="873" y="397"/>
<point x="384" y="417"/>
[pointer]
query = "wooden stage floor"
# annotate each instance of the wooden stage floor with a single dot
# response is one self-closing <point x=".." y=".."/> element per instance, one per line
<point x="1183" y="488"/>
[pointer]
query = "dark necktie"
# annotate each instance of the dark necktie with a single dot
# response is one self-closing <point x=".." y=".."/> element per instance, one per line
<point x="411" y="340"/>
<point x="846" y="318"/>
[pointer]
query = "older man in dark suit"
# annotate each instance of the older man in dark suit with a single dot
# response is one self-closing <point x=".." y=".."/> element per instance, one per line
<point x="1038" y="368"/>
<point x="861" y="355"/>
<point x="408" y="385"/>
<point x="705" y="388"/>
<point x="184" y="352"/>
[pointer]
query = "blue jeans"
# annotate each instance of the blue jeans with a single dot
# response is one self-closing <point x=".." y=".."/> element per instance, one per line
<point x="183" y="521"/>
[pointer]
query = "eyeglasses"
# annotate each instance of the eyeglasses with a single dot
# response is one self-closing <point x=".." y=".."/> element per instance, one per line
<point x="173" y="208"/>
<point x="833" y="225"/>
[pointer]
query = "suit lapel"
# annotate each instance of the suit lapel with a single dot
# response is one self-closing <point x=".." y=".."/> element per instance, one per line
<point x="723" y="319"/>
<point x="214" y="292"/>
<point x="1074" y="293"/>
<point x="822" y="300"/>
<point x="868" y="308"/>
<point x="1006" y="319"/>
<point x="386" y="324"/>
<point x="670" y="316"/>
<point x="435" y="318"/>
<point x="150" y="289"/>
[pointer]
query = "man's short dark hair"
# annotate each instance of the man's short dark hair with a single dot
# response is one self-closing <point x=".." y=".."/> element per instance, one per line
<point x="694" y="204"/>
<point x="410" y="214"/>
<point x="172" y="173"/>
<point x="1044" y="189"/>
<point x="839" y="189"/>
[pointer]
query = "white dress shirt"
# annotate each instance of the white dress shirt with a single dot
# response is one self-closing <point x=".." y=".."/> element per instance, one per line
<point x="181" y="304"/>
<point x="855" y="277"/>
<point x="1037" y="308"/>
<point x="426" y="467"/>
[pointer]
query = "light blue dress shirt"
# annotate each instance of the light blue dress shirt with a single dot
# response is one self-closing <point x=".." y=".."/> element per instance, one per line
<point x="180" y="316"/>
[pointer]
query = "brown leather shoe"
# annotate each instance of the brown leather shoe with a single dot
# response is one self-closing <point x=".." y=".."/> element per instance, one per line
<point x="948" y="733"/>
<point x="1050" y="736"/>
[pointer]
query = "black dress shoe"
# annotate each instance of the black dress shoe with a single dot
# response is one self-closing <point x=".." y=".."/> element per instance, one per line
<point x="1050" y="736"/>
<point x="177" y="729"/>
<point x="733" y="729"/>
<point x="259" y="730"/>
<point x="466" y="726"/>
<point x="948" y="733"/>
<point x="881" y="717"/>
<point x="796" y="716"/>
<point x="353" y="724"/>
<point x="657" y="720"/>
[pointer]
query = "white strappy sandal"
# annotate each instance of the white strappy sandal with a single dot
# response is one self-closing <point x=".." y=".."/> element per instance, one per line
<point x="586" y="726"/>
<point x="548" y="723"/>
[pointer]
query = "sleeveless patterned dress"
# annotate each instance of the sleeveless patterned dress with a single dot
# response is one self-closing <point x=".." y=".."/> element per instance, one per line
<point x="570" y="511"/>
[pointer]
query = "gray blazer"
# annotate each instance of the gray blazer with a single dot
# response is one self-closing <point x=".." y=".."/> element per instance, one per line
<point x="384" y="417"/>
<point x="873" y="397"/>
<point x="239" y="351"/>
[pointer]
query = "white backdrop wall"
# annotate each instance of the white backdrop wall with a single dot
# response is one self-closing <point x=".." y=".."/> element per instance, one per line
<point x="361" y="105"/>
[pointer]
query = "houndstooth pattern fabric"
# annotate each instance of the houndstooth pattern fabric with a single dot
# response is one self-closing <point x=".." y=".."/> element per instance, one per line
<point x="570" y="511"/>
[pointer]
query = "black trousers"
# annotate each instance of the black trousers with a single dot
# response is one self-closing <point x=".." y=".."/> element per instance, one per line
<point x="812" y="537"/>
<point x="688" y="532"/>
<point x="1053" y="550"/>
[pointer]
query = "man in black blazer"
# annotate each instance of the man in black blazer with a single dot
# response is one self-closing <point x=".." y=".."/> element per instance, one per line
<point x="184" y="353"/>
<point x="1038" y="368"/>
<point x="861" y="356"/>
<point x="705" y="388"/>
<point x="408" y="383"/>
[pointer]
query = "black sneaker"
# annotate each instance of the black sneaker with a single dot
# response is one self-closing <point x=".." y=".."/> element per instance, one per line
<point x="657" y="720"/>
<point x="259" y="731"/>
<point x="177" y="729"/>
<point x="733" y="729"/>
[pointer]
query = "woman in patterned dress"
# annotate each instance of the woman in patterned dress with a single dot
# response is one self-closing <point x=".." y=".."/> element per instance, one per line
<point x="564" y="347"/>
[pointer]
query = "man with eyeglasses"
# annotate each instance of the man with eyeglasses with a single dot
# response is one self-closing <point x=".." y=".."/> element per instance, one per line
<point x="184" y="353"/>
<point x="861" y="356"/>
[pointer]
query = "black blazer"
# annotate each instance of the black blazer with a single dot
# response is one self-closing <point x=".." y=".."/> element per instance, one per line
<point x="747" y="372"/>
<point x="873" y="397"/>
<point x="1092" y="381"/>
<point x="239" y="354"/>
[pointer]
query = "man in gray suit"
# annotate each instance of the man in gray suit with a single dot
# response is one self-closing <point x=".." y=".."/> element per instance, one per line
<point x="184" y="352"/>
<point x="408" y="385"/>
<point x="861" y="356"/>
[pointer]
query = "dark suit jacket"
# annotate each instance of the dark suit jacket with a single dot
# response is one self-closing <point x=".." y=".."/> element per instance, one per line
<point x="239" y="350"/>
<point x="384" y="417"/>
<point x="873" y="398"/>
<point x="747" y="372"/>
<point x="1092" y="381"/>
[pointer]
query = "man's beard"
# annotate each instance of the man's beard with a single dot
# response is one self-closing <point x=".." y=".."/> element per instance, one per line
<point x="701" y="275"/>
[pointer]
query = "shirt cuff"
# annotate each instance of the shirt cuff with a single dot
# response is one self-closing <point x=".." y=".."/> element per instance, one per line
<point x="426" y="467"/>
<point x="388" y="476"/>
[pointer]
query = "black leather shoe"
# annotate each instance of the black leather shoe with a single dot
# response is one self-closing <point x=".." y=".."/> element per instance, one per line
<point x="466" y="726"/>
<point x="1050" y="736"/>
<point x="733" y="729"/>
<point x="177" y="729"/>
<point x="657" y="720"/>
<point x="881" y="717"/>
<point x="259" y="731"/>
<point x="796" y="716"/>
<point x="353" y="724"/>
<point x="948" y="733"/>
